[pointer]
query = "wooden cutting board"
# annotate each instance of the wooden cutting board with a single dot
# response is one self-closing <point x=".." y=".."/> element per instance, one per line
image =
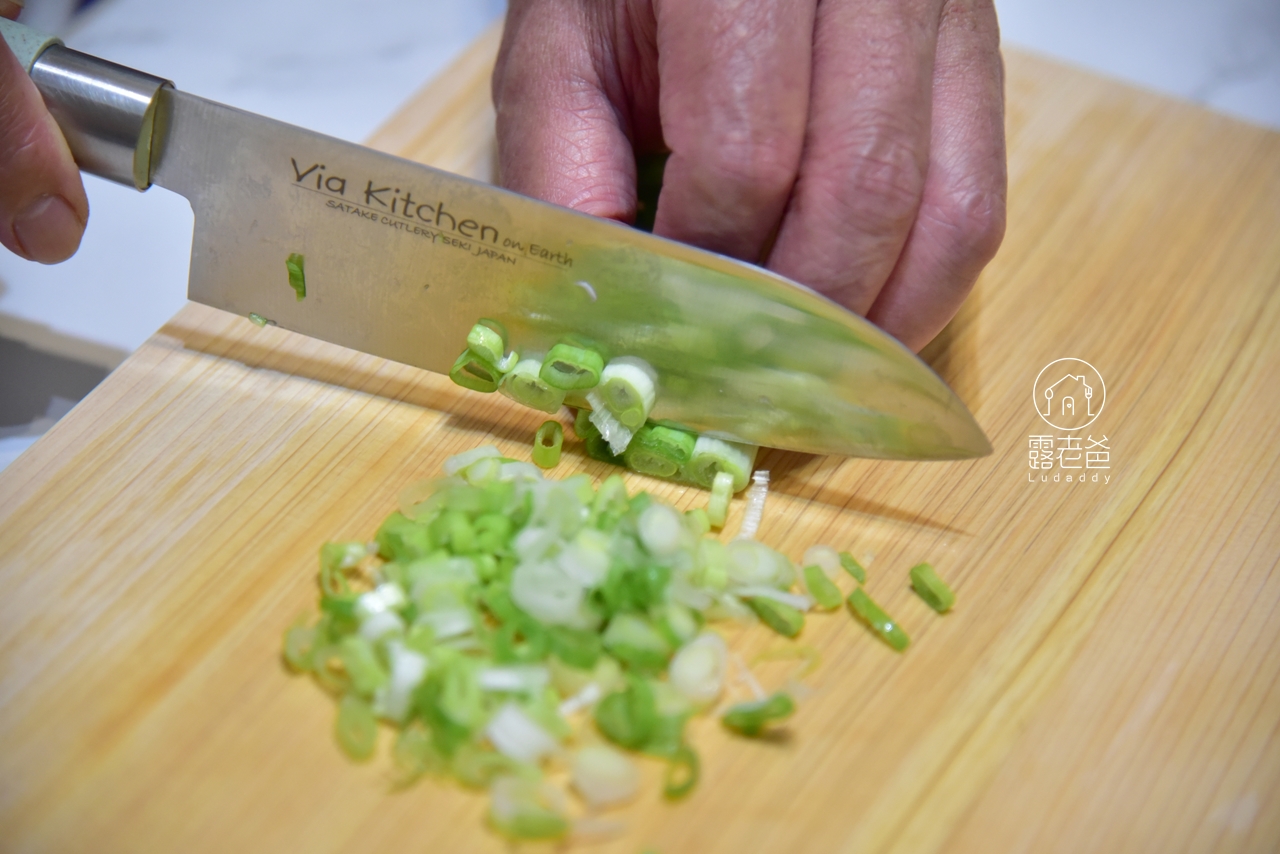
<point x="1107" y="682"/>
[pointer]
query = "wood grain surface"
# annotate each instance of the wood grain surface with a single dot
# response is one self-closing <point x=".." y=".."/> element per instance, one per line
<point x="1107" y="682"/>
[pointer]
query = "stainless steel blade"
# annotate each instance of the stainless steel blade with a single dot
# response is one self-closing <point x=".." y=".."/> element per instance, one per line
<point x="401" y="260"/>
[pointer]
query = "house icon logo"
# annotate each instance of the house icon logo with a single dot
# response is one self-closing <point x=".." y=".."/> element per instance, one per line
<point x="1069" y="394"/>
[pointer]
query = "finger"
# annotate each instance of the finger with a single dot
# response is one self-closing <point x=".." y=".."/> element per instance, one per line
<point x="733" y="102"/>
<point x="863" y="168"/>
<point x="560" y="137"/>
<point x="43" y="207"/>
<point x="962" y="215"/>
<point x="10" y="9"/>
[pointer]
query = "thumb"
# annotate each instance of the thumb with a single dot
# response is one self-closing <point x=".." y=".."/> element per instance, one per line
<point x="43" y="207"/>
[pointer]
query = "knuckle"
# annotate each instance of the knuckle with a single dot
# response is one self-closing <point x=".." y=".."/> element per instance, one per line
<point x="877" y="178"/>
<point x="972" y="223"/>
<point x="762" y="169"/>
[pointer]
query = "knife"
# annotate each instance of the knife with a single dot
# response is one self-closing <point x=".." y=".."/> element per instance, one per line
<point x="401" y="259"/>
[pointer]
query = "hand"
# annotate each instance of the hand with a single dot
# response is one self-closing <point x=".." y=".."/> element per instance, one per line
<point x="867" y="135"/>
<point x="43" y="207"/>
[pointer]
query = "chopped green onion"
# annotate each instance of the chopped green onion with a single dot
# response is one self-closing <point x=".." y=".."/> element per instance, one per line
<point x="524" y="385"/>
<point x="597" y="448"/>
<point x="413" y="754"/>
<point x="779" y="616"/>
<point x="932" y="589"/>
<point x="852" y="567"/>
<point x="711" y="456"/>
<point x="682" y="773"/>
<point x="698" y="521"/>
<point x="299" y="645"/>
<point x="721" y="495"/>
<point x="356" y="728"/>
<point x="628" y="389"/>
<point x="259" y="320"/>
<point x="604" y="776"/>
<point x="822" y="589"/>
<point x="547" y="443"/>
<point x="297" y="279"/>
<point x="522" y="808"/>
<point x="488" y="340"/>
<point x="627" y="717"/>
<point x="613" y="431"/>
<point x="633" y="641"/>
<point x="698" y="668"/>
<point x="750" y="719"/>
<point x="473" y="372"/>
<point x="824" y="557"/>
<point x="569" y="367"/>
<point x="878" y="621"/>
<point x="659" y="450"/>
<point x="362" y="665"/>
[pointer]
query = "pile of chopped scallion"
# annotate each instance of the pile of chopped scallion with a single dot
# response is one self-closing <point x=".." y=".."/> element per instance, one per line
<point x="513" y="628"/>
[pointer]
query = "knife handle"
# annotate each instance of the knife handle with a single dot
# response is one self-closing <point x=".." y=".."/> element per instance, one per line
<point x="107" y="112"/>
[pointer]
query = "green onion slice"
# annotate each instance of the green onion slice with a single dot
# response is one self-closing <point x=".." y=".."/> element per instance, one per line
<point x="356" y="728"/>
<point x="524" y="385"/>
<point x="852" y="567"/>
<point x="659" y="450"/>
<point x="547" y="443"/>
<point x="879" y="622"/>
<point x="822" y="589"/>
<point x="628" y="387"/>
<point x="488" y="340"/>
<point x="712" y="456"/>
<point x="297" y="278"/>
<point x="721" y="494"/>
<point x="628" y="717"/>
<point x="779" y="616"/>
<point x="752" y="718"/>
<point x="569" y="366"/>
<point x="258" y="320"/>
<point x="682" y="773"/>
<point x="932" y="589"/>
<point x="473" y="372"/>
<point x="597" y="448"/>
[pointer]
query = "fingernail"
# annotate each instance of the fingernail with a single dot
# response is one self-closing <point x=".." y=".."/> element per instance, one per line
<point x="10" y="8"/>
<point x="48" y="230"/>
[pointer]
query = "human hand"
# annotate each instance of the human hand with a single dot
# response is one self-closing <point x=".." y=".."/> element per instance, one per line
<point x="867" y="135"/>
<point x="43" y="206"/>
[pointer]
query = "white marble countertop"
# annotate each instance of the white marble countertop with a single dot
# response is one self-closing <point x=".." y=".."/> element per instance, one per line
<point x="342" y="68"/>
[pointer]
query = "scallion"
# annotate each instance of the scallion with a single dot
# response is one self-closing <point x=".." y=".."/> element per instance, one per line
<point x="473" y="372"/>
<point x="659" y="450"/>
<point x="721" y="495"/>
<point x="628" y="388"/>
<point x="932" y="589"/>
<point x="297" y="278"/>
<point x="523" y="384"/>
<point x="822" y="589"/>
<point x="877" y="620"/>
<point x="488" y="340"/>
<point x="779" y="616"/>
<point x="682" y="773"/>
<point x="569" y="366"/>
<point x="852" y="567"/>
<point x="547" y="443"/>
<point x="710" y="456"/>
<point x="752" y="718"/>
<point x="356" y="728"/>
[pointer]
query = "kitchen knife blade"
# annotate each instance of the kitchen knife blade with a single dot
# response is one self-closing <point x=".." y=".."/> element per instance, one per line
<point x="401" y="259"/>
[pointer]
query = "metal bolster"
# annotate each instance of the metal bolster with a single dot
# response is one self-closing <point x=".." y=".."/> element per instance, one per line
<point x="107" y="112"/>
